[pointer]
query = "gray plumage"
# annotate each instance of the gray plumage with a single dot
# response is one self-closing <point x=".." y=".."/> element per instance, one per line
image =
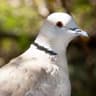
<point x="37" y="73"/>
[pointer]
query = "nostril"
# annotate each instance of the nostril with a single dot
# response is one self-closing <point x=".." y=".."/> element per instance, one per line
<point x="78" y="30"/>
<point x="74" y="29"/>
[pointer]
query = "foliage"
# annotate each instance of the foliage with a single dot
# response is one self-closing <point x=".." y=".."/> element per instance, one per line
<point x="20" y="22"/>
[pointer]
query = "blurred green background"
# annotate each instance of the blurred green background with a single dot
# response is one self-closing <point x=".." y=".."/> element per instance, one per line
<point x="20" y="21"/>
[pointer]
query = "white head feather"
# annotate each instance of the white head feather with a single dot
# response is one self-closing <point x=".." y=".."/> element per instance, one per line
<point x="58" y="30"/>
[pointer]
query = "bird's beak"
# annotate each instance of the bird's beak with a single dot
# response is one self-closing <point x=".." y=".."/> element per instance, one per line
<point x="83" y="33"/>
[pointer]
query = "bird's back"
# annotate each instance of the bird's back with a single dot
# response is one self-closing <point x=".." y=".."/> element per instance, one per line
<point x="19" y="76"/>
<point x="28" y="77"/>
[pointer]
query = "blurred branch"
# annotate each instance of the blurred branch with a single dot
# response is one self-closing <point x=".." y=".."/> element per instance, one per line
<point x="9" y="35"/>
<point x="67" y="5"/>
<point x="41" y="7"/>
<point x="15" y="36"/>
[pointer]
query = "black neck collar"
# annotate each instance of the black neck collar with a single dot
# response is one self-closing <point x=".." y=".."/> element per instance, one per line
<point x="44" y="49"/>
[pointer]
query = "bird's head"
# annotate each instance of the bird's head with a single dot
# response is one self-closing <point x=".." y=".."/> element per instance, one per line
<point x="60" y="28"/>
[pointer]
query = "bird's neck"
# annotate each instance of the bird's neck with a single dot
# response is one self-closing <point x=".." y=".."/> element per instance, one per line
<point x="61" y="55"/>
<point x="45" y="42"/>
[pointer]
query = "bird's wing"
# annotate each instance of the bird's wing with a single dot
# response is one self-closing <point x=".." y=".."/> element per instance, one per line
<point x="5" y="93"/>
<point x="14" y="74"/>
<point x="17" y="62"/>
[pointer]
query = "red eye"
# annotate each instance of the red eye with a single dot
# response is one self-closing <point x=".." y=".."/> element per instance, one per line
<point x="59" y="24"/>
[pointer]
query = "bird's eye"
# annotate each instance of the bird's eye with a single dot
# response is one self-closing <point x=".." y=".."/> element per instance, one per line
<point x="59" y="24"/>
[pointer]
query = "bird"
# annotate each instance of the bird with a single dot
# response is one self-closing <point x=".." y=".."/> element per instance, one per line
<point x="42" y="70"/>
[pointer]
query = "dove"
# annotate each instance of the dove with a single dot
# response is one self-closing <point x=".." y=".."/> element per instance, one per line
<point x="42" y="70"/>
